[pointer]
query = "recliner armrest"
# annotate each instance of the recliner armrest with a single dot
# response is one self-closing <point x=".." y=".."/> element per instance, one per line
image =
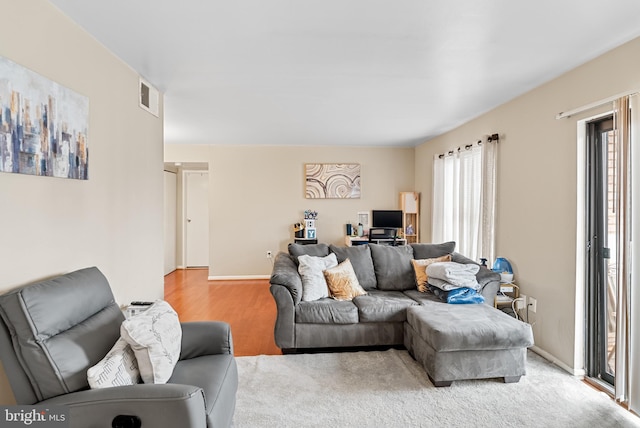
<point x="169" y="405"/>
<point x="205" y="338"/>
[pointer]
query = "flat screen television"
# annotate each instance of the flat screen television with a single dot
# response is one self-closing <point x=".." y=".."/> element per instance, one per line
<point x="386" y="218"/>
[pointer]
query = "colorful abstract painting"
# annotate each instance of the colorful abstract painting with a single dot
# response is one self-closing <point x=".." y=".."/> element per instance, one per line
<point x="43" y="125"/>
<point x="332" y="180"/>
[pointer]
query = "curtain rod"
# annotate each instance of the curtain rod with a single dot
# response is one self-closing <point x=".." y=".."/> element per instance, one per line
<point x="490" y="138"/>
<point x="566" y="114"/>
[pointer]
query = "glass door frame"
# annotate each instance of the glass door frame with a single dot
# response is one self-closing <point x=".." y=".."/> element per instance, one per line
<point x="598" y="250"/>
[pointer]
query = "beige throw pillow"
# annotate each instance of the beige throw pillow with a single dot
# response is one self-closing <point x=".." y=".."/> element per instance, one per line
<point x="342" y="281"/>
<point x="420" y="269"/>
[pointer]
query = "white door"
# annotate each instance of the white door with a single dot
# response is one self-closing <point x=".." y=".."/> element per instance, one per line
<point x="170" y="221"/>
<point x="197" y="219"/>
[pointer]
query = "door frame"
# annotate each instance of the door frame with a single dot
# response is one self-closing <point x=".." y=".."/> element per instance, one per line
<point x="580" y="335"/>
<point x="596" y="272"/>
<point x="579" y="347"/>
<point x="174" y="238"/>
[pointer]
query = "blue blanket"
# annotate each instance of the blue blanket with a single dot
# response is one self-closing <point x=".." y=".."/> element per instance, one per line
<point x="460" y="296"/>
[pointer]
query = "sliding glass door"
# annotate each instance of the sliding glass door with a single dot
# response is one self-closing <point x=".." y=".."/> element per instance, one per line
<point x="601" y="249"/>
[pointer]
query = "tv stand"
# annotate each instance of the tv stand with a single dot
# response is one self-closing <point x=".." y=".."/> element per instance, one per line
<point x="351" y="241"/>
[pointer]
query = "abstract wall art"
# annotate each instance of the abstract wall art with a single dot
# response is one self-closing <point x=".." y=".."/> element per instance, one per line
<point x="43" y="125"/>
<point x="332" y="180"/>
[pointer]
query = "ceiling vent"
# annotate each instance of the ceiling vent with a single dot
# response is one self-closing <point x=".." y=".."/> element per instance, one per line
<point x="149" y="97"/>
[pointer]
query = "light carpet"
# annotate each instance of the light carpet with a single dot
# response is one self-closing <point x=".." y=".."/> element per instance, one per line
<point x="389" y="389"/>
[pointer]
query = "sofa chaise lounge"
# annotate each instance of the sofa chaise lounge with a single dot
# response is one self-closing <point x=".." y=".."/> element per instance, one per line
<point x="452" y="342"/>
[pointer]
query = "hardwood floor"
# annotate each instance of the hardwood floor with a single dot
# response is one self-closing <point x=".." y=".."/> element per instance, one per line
<point x="246" y="305"/>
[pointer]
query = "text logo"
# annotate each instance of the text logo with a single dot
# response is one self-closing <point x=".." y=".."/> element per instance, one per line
<point x="34" y="416"/>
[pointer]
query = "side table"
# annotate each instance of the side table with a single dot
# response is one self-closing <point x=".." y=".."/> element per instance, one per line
<point x="505" y="297"/>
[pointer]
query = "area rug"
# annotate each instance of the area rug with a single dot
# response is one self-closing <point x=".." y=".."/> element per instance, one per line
<point x="389" y="389"/>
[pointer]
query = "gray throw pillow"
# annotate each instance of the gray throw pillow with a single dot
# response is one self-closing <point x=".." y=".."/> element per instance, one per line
<point x="314" y="250"/>
<point x="360" y="257"/>
<point x="393" y="267"/>
<point x="430" y="251"/>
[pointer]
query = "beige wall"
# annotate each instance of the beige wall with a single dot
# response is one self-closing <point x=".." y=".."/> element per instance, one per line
<point x="257" y="194"/>
<point x="537" y="182"/>
<point x="114" y="220"/>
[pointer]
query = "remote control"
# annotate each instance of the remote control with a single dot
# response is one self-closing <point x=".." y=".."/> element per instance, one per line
<point x="138" y="303"/>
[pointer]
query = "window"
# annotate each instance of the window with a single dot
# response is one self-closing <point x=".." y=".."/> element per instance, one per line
<point x="464" y="199"/>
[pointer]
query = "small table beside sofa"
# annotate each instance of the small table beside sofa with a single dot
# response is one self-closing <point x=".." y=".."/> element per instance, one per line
<point x="452" y="342"/>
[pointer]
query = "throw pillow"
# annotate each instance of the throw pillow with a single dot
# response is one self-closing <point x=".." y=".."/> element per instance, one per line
<point x="155" y="336"/>
<point x="392" y="266"/>
<point x="430" y="251"/>
<point x="420" y="269"/>
<point x="343" y="282"/>
<point x="315" y="250"/>
<point x="118" y="368"/>
<point x="314" y="286"/>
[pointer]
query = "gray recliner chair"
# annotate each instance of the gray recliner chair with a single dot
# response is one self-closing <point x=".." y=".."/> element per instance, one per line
<point x="52" y="331"/>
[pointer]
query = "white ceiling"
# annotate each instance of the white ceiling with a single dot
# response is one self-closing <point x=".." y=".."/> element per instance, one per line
<point x="346" y="72"/>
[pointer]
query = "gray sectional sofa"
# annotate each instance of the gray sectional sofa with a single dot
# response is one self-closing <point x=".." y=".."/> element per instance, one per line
<point x="395" y="313"/>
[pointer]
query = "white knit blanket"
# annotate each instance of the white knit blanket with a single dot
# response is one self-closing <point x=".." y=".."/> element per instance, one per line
<point x="446" y="286"/>
<point x="456" y="274"/>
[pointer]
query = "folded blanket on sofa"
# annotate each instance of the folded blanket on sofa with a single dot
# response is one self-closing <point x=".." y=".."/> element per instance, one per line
<point x="454" y="273"/>
<point x="440" y="294"/>
<point x="458" y="296"/>
<point x="464" y="296"/>
<point x="447" y="286"/>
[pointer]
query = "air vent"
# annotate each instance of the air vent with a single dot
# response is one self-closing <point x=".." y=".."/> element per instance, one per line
<point x="149" y="97"/>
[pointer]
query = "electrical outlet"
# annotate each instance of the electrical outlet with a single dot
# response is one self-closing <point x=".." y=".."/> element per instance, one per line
<point x="269" y="254"/>
<point x="521" y="303"/>
<point x="533" y="304"/>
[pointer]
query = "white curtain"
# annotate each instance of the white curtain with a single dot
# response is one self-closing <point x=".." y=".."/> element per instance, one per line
<point x="464" y="199"/>
<point x="623" y="218"/>
<point x="633" y="291"/>
<point x="445" y="198"/>
<point x="627" y="362"/>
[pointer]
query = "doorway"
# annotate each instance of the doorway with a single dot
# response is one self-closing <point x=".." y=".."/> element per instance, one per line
<point x="602" y="234"/>
<point x="196" y="218"/>
<point x="170" y="220"/>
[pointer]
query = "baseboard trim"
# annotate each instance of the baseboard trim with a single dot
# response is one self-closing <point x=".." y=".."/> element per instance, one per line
<point x="236" y="277"/>
<point x="551" y="358"/>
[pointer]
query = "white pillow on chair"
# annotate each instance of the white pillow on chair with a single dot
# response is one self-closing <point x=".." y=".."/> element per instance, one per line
<point x="118" y="368"/>
<point x="155" y="336"/>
